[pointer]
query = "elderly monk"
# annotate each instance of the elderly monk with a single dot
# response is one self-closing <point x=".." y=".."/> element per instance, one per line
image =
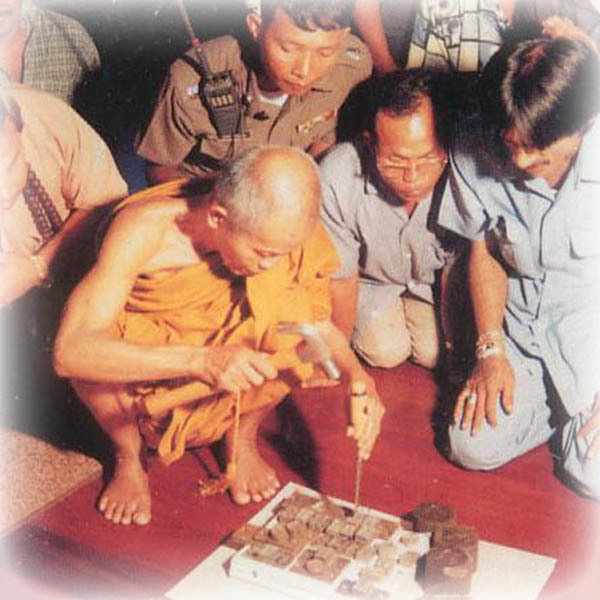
<point x="182" y="305"/>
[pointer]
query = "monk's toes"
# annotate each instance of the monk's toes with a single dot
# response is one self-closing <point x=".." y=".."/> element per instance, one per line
<point x="142" y="517"/>
<point x="257" y="497"/>
<point x="128" y="513"/>
<point x="108" y="508"/>
<point x="263" y="492"/>
<point x="240" y="496"/>
<point x="103" y="504"/>
<point x="117" y="514"/>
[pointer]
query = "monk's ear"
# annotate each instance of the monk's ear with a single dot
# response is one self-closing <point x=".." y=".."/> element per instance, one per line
<point x="216" y="216"/>
<point x="254" y="24"/>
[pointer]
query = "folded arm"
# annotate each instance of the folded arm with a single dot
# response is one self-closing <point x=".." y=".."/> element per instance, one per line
<point x="19" y="273"/>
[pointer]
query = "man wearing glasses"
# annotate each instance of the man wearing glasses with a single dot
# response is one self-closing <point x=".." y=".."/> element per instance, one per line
<point x="379" y="198"/>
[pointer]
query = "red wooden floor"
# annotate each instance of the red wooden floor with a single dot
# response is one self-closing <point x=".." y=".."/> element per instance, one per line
<point x="70" y="551"/>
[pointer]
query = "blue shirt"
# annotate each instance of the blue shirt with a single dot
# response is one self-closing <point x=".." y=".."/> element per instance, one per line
<point x="390" y="251"/>
<point x="549" y="241"/>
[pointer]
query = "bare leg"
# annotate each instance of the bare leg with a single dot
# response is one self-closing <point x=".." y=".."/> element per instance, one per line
<point x="254" y="479"/>
<point x="126" y="498"/>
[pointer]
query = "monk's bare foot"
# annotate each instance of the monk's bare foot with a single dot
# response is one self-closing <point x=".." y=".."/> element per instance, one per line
<point x="255" y="480"/>
<point x="126" y="498"/>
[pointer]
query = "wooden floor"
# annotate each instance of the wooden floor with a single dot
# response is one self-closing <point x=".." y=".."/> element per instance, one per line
<point x="70" y="551"/>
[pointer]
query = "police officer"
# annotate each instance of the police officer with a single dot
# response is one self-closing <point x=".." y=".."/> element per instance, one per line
<point x="292" y="78"/>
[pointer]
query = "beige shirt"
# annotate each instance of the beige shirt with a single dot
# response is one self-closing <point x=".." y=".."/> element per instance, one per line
<point x="180" y="132"/>
<point x="70" y="159"/>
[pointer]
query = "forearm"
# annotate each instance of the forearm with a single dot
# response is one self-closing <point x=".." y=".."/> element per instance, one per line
<point x="368" y="21"/>
<point x="342" y="353"/>
<point x="344" y="302"/>
<point x="108" y="359"/>
<point x="19" y="273"/>
<point x="492" y="379"/>
<point x="488" y="286"/>
<point x="366" y="428"/>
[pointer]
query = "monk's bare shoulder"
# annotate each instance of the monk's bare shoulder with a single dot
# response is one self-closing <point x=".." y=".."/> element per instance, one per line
<point x="157" y="212"/>
<point x="147" y="231"/>
<point x="139" y="232"/>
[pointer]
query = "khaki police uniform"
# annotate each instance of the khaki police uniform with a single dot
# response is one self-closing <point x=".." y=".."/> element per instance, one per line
<point x="180" y="132"/>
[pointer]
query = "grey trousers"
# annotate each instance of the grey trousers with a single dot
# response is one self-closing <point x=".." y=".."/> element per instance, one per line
<point x="525" y="428"/>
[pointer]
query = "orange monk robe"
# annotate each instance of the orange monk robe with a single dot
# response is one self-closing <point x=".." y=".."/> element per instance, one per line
<point x="206" y="305"/>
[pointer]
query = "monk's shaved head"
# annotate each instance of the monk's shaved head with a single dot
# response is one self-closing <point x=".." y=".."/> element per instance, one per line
<point x="270" y="184"/>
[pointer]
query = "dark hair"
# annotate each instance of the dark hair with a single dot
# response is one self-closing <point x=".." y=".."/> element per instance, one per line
<point x="310" y="14"/>
<point x="401" y="92"/>
<point x="544" y="89"/>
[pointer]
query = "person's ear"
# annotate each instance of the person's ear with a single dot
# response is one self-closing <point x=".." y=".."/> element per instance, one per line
<point x="254" y="24"/>
<point x="216" y="216"/>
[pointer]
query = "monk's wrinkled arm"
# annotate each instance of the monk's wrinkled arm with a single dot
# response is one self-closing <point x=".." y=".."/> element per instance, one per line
<point x="346" y="360"/>
<point x="86" y="347"/>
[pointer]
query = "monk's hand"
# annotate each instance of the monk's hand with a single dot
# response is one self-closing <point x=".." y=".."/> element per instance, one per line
<point x="592" y="429"/>
<point x="365" y="419"/>
<point x="491" y="383"/>
<point x="236" y="368"/>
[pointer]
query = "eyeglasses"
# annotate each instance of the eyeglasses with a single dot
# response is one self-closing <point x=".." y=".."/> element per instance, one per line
<point x="420" y="165"/>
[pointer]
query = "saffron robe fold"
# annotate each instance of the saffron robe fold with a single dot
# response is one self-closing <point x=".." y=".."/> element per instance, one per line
<point x="206" y="305"/>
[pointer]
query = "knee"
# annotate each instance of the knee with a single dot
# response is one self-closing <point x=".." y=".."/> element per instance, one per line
<point x="382" y="351"/>
<point x="584" y="480"/>
<point x="427" y="354"/>
<point x="578" y="470"/>
<point x="581" y="474"/>
<point x="476" y="453"/>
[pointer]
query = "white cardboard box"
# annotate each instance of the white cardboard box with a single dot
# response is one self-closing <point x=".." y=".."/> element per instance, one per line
<point x="502" y="573"/>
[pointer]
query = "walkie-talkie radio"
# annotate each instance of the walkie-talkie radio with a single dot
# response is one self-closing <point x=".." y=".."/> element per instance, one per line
<point x="219" y="92"/>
